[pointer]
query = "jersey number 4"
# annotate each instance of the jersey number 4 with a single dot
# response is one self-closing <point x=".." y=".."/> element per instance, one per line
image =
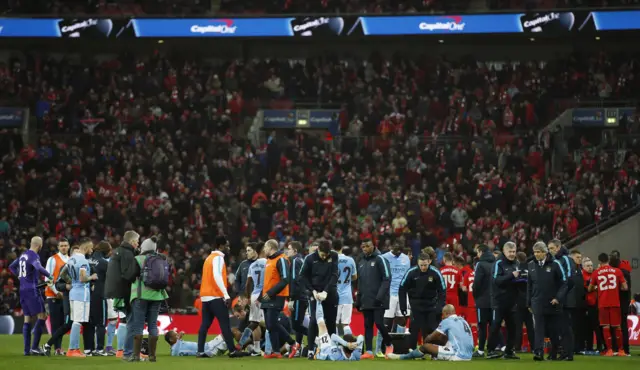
<point x="608" y="282"/>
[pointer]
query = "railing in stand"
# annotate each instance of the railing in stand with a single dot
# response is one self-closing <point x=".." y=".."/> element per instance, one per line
<point x="598" y="227"/>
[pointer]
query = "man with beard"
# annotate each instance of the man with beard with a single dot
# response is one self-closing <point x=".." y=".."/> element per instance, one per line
<point x="121" y="272"/>
<point x="98" y="308"/>
<point x="481" y="289"/>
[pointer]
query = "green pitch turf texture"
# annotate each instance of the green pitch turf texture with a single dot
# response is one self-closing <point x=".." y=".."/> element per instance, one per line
<point x="11" y="359"/>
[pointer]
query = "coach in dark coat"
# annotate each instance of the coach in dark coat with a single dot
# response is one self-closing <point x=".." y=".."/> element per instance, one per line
<point x="546" y="290"/>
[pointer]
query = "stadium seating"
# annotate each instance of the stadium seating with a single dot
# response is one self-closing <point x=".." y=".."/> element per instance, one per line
<point x="435" y="152"/>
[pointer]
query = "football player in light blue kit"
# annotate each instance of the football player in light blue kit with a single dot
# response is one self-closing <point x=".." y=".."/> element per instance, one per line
<point x="451" y="341"/>
<point x="348" y="274"/>
<point x="253" y="289"/>
<point x="79" y="295"/>
<point x="399" y="264"/>
<point x="180" y="347"/>
<point x="335" y="348"/>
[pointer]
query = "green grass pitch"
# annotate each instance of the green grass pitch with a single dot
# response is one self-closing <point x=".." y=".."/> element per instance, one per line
<point x="11" y="359"/>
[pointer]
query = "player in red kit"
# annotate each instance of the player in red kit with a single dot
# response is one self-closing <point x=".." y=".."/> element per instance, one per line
<point x="453" y="278"/>
<point x="608" y="281"/>
<point x="470" y="312"/>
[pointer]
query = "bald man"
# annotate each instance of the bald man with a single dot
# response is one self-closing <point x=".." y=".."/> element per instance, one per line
<point x="451" y="341"/>
<point x="28" y="269"/>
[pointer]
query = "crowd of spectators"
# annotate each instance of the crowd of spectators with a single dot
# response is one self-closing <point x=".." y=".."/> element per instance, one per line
<point x="432" y="152"/>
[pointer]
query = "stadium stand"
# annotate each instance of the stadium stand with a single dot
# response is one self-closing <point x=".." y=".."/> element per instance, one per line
<point x="435" y="152"/>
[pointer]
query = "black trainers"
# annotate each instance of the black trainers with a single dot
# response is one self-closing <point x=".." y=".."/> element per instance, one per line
<point x="477" y="354"/>
<point x="46" y="349"/>
<point x="511" y="356"/>
<point x="494" y="355"/>
<point x="37" y="352"/>
<point x="239" y="354"/>
<point x="202" y="355"/>
<point x="538" y="357"/>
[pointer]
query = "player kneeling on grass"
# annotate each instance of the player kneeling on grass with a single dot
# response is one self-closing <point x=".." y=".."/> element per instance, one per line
<point x="334" y="348"/>
<point x="180" y="347"/>
<point x="451" y="341"/>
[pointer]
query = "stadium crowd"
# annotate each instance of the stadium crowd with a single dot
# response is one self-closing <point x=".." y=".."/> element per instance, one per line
<point x="433" y="152"/>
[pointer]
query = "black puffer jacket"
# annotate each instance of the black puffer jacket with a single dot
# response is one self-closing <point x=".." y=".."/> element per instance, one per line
<point x="121" y="272"/>
<point x="482" y="280"/>
<point x="374" y="279"/>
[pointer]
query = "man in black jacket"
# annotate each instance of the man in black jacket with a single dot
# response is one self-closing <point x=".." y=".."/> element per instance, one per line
<point x="523" y="315"/>
<point x="561" y="254"/>
<point x="578" y="316"/>
<point x="504" y="293"/>
<point x="319" y="276"/>
<point x="482" y="294"/>
<point x="298" y="300"/>
<point x="374" y="279"/>
<point x="427" y="293"/>
<point x="121" y="272"/>
<point x="546" y="289"/>
<point x="98" y="308"/>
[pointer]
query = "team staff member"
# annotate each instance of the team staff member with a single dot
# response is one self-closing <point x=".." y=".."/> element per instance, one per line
<point x="298" y="301"/>
<point x="274" y="292"/>
<point x="523" y="315"/>
<point x="481" y="289"/>
<point x="427" y="293"/>
<point x="576" y="303"/>
<point x="121" y="272"/>
<point x="98" y="308"/>
<point x="591" y="311"/>
<point x="55" y="298"/>
<point x="374" y="279"/>
<point x="319" y="275"/>
<point x="561" y="255"/>
<point x="504" y="294"/>
<point x="215" y="298"/>
<point x="546" y="289"/>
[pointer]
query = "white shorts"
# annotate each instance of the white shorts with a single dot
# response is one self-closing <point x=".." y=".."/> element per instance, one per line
<point x="447" y="354"/>
<point x="394" y="308"/>
<point x="216" y="347"/>
<point x="79" y="311"/>
<point x="111" y="313"/>
<point x="255" y="311"/>
<point x="344" y="314"/>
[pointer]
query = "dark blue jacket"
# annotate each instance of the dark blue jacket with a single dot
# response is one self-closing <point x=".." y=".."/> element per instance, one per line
<point x="546" y="282"/>
<point x="482" y="281"/>
<point x="374" y="279"/>
<point x="427" y="291"/>
<point x="504" y="288"/>
<point x="296" y="289"/>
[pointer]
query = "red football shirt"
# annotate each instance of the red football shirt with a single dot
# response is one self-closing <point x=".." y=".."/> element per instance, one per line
<point x="608" y="281"/>
<point x="468" y="283"/>
<point x="453" y="278"/>
<point x="591" y="297"/>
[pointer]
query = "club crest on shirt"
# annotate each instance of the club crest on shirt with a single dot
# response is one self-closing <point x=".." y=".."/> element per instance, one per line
<point x="430" y="278"/>
<point x="548" y="269"/>
<point x="329" y="260"/>
<point x="373" y="264"/>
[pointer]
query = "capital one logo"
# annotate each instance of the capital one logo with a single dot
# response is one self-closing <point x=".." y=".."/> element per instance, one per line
<point x="448" y="23"/>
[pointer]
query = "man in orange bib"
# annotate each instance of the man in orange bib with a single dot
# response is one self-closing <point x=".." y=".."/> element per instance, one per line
<point x="54" y="297"/>
<point x="275" y="291"/>
<point x="215" y="298"/>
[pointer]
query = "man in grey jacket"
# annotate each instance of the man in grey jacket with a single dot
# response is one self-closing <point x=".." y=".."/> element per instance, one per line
<point x="121" y="272"/>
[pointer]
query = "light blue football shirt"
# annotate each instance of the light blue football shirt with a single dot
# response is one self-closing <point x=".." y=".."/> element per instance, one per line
<point x="399" y="267"/>
<point x="347" y="268"/>
<point x="256" y="271"/>
<point x="459" y="334"/>
<point x="80" y="291"/>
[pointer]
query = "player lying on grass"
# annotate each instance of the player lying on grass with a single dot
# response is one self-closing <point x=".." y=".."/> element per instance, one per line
<point x="334" y="348"/>
<point x="451" y="341"/>
<point x="180" y="347"/>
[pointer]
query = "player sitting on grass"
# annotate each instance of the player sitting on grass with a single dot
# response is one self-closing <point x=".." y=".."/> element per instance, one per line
<point x="334" y="348"/>
<point x="180" y="347"/>
<point x="451" y="341"/>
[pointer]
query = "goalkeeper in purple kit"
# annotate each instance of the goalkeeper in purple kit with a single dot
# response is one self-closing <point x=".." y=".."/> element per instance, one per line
<point x="28" y="269"/>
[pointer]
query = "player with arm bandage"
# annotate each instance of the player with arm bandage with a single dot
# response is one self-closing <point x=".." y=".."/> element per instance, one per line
<point x="335" y="348"/>
<point x="451" y="341"/>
